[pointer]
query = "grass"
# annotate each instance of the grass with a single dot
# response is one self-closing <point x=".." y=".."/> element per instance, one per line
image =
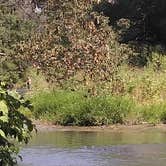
<point x="154" y="113"/>
<point x="144" y="85"/>
<point x="74" y="108"/>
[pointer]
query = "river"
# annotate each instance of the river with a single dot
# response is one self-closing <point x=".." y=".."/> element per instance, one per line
<point x="96" y="148"/>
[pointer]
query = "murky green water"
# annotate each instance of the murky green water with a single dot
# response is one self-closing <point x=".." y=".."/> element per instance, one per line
<point x="73" y="148"/>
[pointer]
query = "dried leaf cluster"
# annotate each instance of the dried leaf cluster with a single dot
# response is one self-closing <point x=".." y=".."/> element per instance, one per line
<point x="74" y="38"/>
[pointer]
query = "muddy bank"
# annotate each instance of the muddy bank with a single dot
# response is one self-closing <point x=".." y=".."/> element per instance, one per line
<point x="45" y="126"/>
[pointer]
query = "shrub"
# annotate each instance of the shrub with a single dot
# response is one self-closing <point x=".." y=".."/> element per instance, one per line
<point x="14" y="126"/>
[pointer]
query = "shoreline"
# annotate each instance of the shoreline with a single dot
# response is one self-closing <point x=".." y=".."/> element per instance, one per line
<point x="45" y="126"/>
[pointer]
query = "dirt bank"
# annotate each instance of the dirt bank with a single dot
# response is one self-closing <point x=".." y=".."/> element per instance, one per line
<point x="45" y="126"/>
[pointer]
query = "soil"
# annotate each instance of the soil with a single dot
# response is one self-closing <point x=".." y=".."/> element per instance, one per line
<point x="45" y="126"/>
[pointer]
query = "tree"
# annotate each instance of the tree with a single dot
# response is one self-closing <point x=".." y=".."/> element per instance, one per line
<point x="139" y="23"/>
<point x="13" y="29"/>
<point x="75" y="38"/>
<point x="147" y="18"/>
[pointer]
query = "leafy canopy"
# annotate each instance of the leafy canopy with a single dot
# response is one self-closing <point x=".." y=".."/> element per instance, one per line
<point x="74" y="39"/>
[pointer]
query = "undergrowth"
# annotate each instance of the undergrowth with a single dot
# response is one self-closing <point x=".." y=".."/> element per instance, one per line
<point x="75" y="108"/>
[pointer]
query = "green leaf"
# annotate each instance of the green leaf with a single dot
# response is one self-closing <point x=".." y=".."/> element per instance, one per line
<point x="2" y="91"/>
<point x="3" y="84"/>
<point x="4" y="118"/>
<point x="14" y="94"/>
<point x="3" y="107"/>
<point x="2" y="134"/>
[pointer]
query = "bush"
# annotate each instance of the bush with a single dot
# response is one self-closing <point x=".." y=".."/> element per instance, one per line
<point x="14" y="126"/>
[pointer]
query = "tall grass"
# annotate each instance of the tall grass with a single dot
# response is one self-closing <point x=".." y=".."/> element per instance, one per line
<point x="145" y="85"/>
<point x="74" y="108"/>
<point x="154" y="113"/>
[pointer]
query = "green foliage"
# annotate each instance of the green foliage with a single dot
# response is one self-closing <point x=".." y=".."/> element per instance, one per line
<point x="77" y="48"/>
<point x="13" y="30"/>
<point x="144" y="85"/>
<point x="75" y="108"/>
<point x="147" y="19"/>
<point x="14" y="126"/>
<point x="139" y="23"/>
<point x="8" y="69"/>
<point x="39" y="82"/>
<point x="154" y="113"/>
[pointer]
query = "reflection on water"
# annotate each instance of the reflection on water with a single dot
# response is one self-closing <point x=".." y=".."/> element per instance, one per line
<point x="73" y="148"/>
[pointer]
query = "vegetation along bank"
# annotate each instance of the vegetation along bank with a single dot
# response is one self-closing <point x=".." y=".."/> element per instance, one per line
<point x="87" y="63"/>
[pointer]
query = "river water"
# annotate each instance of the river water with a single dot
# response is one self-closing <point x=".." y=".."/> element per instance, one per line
<point x="96" y="148"/>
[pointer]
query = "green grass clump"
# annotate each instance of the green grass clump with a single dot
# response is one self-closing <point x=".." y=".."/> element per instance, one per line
<point x="154" y="113"/>
<point x="75" y="108"/>
<point x="145" y="85"/>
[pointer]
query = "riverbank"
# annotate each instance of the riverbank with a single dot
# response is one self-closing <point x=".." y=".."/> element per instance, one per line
<point x="45" y="126"/>
<point x="76" y="108"/>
